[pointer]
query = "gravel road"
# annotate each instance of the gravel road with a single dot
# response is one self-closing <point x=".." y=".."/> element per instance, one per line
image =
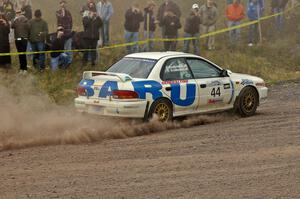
<point x="257" y="157"/>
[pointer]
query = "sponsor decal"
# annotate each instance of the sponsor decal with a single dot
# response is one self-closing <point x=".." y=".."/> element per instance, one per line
<point x="215" y="101"/>
<point x="247" y="82"/>
<point x="214" y="83"/>
<point x="143" y="88"/>
<point x="175" y="82"/>
<point x="227" y="86"/>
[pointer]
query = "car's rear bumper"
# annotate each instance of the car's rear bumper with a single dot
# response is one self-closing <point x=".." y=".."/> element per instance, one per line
<point x="263" y="94"/>
<point x="128" y="109"/>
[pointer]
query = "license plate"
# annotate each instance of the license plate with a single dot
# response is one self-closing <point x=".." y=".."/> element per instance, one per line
<point x="96" y="109"/>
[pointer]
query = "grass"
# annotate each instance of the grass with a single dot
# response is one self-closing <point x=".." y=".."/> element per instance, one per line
<point x="277" y="59"/>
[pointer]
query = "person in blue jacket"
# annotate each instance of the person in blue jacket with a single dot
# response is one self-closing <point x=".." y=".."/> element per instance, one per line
<point x="254" y="12"/>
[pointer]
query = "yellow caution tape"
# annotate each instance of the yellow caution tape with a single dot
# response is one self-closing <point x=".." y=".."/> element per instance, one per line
<point x="156" y="39"/>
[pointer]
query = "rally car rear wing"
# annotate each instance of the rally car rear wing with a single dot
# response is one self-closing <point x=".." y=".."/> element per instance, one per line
<point x="122" y="76"/>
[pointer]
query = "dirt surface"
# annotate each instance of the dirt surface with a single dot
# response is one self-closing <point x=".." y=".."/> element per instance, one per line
<point x="257" y="157"/>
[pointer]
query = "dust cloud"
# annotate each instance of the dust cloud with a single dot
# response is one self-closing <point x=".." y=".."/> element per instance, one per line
<point x="29" y="119"/>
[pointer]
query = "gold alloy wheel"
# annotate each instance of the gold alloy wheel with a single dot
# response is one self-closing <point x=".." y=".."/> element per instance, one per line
<point x="163" y="112"/>
<point x="249" y="102"/>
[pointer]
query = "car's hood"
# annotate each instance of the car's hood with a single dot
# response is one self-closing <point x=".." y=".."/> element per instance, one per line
<point x="239" y="76"/>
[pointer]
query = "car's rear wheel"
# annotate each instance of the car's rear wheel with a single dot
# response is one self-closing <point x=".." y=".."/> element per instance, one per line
<point x="162" y="108"/>
<point x="248" y="102"/>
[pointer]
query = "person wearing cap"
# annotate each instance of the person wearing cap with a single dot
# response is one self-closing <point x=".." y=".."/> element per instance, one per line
<point x="167" y="5"/>
<point x="192" y="29"/>
<point x="21" y="32"/>
<point x="105" y="11"/>
<point x="149" y="25"/>
<point x="209" y="15"/>
<point x="58" y="57"/>
<point x="133" y="18"/>
<point x="91" y="24"/>
<point x="235" y="13"/>
<point x="38" y="30"/>
<point x="64" y="19"/>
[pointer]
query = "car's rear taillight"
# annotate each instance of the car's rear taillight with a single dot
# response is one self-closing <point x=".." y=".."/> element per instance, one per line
<point x="122" y="94"/>
<point x="81" y="91"/>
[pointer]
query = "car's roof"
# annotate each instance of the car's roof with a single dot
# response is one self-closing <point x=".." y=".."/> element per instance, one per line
<point x="158" y="55"/>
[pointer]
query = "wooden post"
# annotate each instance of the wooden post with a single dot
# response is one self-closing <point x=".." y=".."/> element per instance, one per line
<point x="148" y="31"/>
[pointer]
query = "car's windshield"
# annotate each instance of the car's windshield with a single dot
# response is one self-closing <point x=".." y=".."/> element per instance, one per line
<point x="135" y="67"/>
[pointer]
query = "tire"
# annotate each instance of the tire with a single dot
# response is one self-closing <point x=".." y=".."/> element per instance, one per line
<point x="247" y="102"/>
<point x="163" y="109"/>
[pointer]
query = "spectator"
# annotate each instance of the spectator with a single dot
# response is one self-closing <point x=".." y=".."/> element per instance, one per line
<point x="254" y="12"/>
<point x="87" y="7"/>
<point x="149" y="25"/>
<point x="5" y="61"/>
<point x="38" y="29"/>
<point x="105" y="11"/>
<point x="192" y="29"/>
<point x="64" y="19"/>
<point x="209" y="15"/>
<point x="133" y="18"/>
<point x="172" y="24"/>
<point x="59" y="59"/>
<point x="168" y="5"/>
<point x="21" y="32"/>
<point x="25" y="6"/>
<point x="8" y="9"/>
<point x="92" y="24"/>
<point x="235" y="13"/>
<point x="278" y="6"/>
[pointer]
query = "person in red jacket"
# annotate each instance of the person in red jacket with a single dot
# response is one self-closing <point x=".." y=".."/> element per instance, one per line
<point x="235" y="13"/>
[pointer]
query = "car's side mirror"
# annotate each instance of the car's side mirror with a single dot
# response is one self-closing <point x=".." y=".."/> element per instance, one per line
<point x="226" y="73"/>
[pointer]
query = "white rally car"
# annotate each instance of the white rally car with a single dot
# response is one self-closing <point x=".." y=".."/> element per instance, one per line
<point x="168" y="84"/>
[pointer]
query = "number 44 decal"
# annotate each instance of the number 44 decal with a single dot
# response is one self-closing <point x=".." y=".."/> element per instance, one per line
<point x="216" y="92"/>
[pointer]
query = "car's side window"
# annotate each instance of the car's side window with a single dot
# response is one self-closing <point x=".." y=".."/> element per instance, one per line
<point x="202" y="69"/>
<point x="176" y="69"/>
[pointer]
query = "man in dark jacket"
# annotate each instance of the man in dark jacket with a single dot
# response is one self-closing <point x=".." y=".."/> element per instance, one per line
<point x="92" y="24"/>
<point x="133" y="18"/>
<point x="192" y="29"/>
<point x="149" y="25"/>
<point x="21" y="30"/>
<point x="59" y="59"/>
<point x="64" y="19"/>
<point x="38" y="29"/>
<point x="171" y="23"/>
<point x="168" y="5"/>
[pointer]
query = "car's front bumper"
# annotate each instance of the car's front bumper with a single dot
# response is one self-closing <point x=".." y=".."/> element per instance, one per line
<point x="263" y="94"/>
<point x="113" y="108"/>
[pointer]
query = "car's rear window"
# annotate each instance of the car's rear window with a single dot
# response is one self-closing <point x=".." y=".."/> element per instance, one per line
<point x="135" y="67"/>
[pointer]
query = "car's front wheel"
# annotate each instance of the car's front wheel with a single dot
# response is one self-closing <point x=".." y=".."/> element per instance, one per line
<point x="162" y="108"/>
<point x="247" y="102"/>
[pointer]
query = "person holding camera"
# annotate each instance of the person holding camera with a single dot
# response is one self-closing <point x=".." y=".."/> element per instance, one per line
<point x="64" y="19"/>
<point x="92" y="24"/>
<point x="5" y="61"/>
<point x="59" y="58"/>
<point x="133" y="18"/>
<point x="21" y="32"/>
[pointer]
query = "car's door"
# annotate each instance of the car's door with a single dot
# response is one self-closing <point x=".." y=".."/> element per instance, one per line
<point x="215" y="90"/>
<point x="179" y="84"/>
